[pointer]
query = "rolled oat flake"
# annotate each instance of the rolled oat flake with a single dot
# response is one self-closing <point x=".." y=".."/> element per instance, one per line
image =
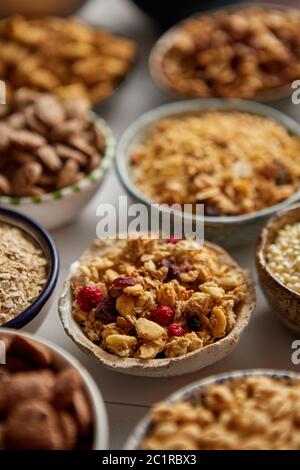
<point x="23" y="272"/>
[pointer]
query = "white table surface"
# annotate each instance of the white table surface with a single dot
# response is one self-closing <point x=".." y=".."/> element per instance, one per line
<point x="266" y="343"/>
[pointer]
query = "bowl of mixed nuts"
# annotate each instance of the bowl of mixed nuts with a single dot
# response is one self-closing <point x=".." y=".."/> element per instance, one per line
<point x="278" y="265"/>
<point x="48" y="400"/>
<point x="54" y="156"/>
<point x="237" y="159"/>
<point x="156" y="307"/>
<point x="242" y="410"/>
<point x="28" y="271"/>
<point x="63" y="56"/>
<point x="245" y="51"/>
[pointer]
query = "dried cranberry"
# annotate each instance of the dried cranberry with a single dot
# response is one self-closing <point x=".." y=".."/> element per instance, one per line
<point x="125" y="281"/>
<point x="194" y="323"/>
<point x="211" y="210"/>
<point x="283" y="177"/>
<point x="106" y="310"/>
<point x="173" y="273"/>
<point x="175" y="330"/>
<point x="88" y="297"/>
<point x="173" y="240"/>
<point x="162" y="315"/>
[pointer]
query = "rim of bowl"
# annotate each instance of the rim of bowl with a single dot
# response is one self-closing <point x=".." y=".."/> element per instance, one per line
<point x="84" y="183"/>
<point x="261" y="247"/>
<point x="141" y="429"/>
<point x="30" y="226"/>
<point x="113" y="361"/>
<point x="162" y="45"/>
<point x="196" y="106"/>
<point x="101" y="431"/>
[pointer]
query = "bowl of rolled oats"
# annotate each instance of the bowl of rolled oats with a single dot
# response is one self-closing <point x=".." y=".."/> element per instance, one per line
<point x="156" y="307"/>
<point x="236" y="158"/>
<point x="278" y="266"/>
<point x="242" y="410"/>
<point x="244" y="51"/>
<point x="54" y="156"/>
<point x="49" y="401"/>
<point x="28" y="271"/>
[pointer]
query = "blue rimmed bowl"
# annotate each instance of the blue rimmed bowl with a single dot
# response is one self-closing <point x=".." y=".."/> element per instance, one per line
<point x="60" y="207"/>
<point x="193" y="393"/>
<point x="228" y="231"/>
<point x="33" y="316"/>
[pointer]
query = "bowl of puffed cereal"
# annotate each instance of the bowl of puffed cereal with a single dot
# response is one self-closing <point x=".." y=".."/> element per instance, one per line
<point x="229" y="164"/>
<point x="156" y="307"/>
<point x="278" y="265"/>
<point x="246" y="51"/>
<point x="242" y="410"/>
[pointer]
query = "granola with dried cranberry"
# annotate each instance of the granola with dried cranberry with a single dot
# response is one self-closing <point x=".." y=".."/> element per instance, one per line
<point x="148" y="298"/>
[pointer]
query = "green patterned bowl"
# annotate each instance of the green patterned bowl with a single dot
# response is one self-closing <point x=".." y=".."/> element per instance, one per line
<point x="57" y="208"/>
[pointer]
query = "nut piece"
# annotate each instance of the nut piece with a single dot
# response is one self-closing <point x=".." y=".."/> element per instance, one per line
<point x="33" y="425"/>
<point x="82" y="412"/>
<point x="68" y="381"/>
<point x="26" y="139"/>
<point x="31" y="350"/>
<point x="68" y="174"/>
<point x="49" y="111"/>
<point x="49" y="158"/>
<point x="147" y="329"/>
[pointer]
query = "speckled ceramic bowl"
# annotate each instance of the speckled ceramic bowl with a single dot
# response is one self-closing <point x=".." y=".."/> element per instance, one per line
<point x="63" y="359"/>
<point x="60" y="207"/>
<point x="284" y="302"/>
<point x="180" y="365"/>
<point x="228" y="231"/>
<point x="193" y="393"/>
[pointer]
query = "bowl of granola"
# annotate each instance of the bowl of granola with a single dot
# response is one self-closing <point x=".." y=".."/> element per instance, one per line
<point x="242" y="410"/>
<point x="28" y="271"/>
<point x="278" y="266"/>
<point x="54" y="156"/>
<point x="245" y="51"/>
<point x="156" y="307"/>
<point x="237" y="159"/>
<point x="49" y="401"/>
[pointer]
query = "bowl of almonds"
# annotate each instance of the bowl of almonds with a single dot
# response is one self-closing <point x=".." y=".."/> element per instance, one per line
<point x="242" y="410"/>
<point x="155" y="307"/>
<point x="53" y="156"/>
<point x="48" y="401"/>
<point x="278" y="266"/>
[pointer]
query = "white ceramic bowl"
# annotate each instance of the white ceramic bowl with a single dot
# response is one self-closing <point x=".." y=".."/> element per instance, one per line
<point x="62" y="359"/>
<point x="55" y="209"/>
<point x="193" y="393"/>
<point x="184" y="364"/>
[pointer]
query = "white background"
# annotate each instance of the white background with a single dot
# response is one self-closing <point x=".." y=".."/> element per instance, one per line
<point x="266" y="343"/>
